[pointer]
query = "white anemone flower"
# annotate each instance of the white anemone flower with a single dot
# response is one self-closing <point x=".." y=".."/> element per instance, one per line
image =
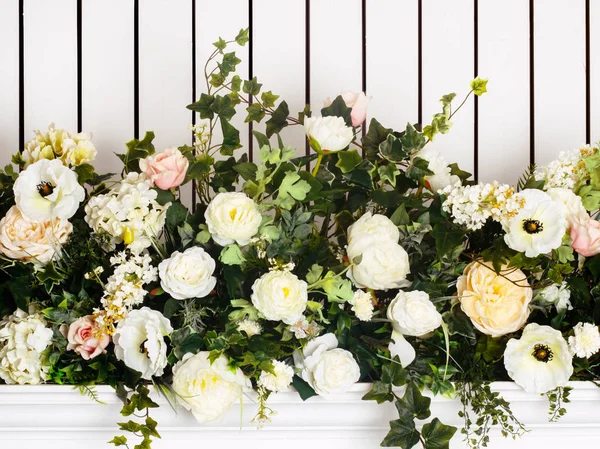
<point x="539" y="226"/>
<point x="540" y="360"/>
<point x="48" y="190"/>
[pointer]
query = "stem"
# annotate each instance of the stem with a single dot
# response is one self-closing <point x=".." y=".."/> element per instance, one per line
<point x="316" y="169"/>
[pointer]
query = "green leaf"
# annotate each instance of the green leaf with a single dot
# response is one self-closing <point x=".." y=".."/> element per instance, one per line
<point x="255" y="113"/>
<point x="400" y="216"/>
<point x="242" y="37"/>
<point x="446" y="239"/>
<point x="413" y="404"/>
<point x="459" y="323"/>
<point x="278" y="119"/>
<point x="437" y="435"/>
<point x="232" y="255"/>
<point x="338" y="108"/>
<point x="203" y="106"/>
<point x="176" y="215"/>
<point x="394" y="374"/>
<point x="252" y="86"/>
<point x="348" y="160"/>
<point x="337" y="288"/>
<point x="412" y="140"/>
<point x="376" y="134"/>
<point x="418" y="168"/>
<point x="303" y="388"/>
<point x="235" y="83"/>
<point x="119" y="441"/>
<point x="229" y="63"/>
<point x="136" y="150"/>
<point x="223" y="107"/>
<point x="292" y="188"/>
<point x="186" y="340"/>
<point x="455" y="170"/>
<point x="171" y="307"/>
<point x="200" y="168"/>
<point x="268" y="99"/>
<point x="392" y="150"/>
<point x="262" y="140"/>
<point x="403" y="434"/>
<point x="217" y="79"/>
<point x="220" y="44"/>
<point x="380" y="392"/>
<point x="388" y="173"/>
<point x="85" y="173"/>
<point x="479" y="86"/>
<point x="231" y="138"/>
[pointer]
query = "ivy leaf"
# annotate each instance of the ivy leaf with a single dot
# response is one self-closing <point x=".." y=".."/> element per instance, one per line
<point x="231" y="138"/>
<point x="171" y="307"/>
<point x="235" y="84"/>
<point x="403" y="434"/>
<point x="292" y="188"/>
<point x="388" y="173"/>
<point x="185" y="340"/>
<point x="336" y="288"/>
<point x="303" y="388"/>
<point x="242" y="37"/>
<point x="223" y="107"/>
<point x="220" y="44"/>
<point x="400" y="216"/>
<point x="255" y="113"/>
<point x="203" y="106"/>
<point x="232" y="255"/>
<point x="262" y="140"/>
<point x="348" y="160"/>
<point x="85" y="173"/>
<point x="136" y="150"/>
<point x="394" y="373"/>
<point x="413" y="404"/>
<point x="459" y="323"/>
<point x="338" y="108"/>
<point x="479" y="86"/>
<point x="376" y="134"/>
<point x="252" y="86"/>
<point x="268" y="99"/>
<point x="176" y="215"/>
<point x="278" y="119"/>
<point x="217" y="79"/>
<point x="446" y="239"/>
<point x="418" y="168"/>
<point x="392" y="150"/>
<point x="455" y="170"/>
<point x="119" y="441"/>
<point x="437" y="435"/>
<point x="412" y="140"/>
<point x="380" y="392"/>
<point x="229" y="63"/>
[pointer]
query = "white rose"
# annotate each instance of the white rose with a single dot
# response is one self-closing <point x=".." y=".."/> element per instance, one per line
<point x="326" y="368"/>
<point x="280" y="296"/>
<point x="442" y="176"/>
<point x="572" y="203"/>
<point x="278" y="380"/>
<point x="232" y="217"/>
<point x="369" y="229"/>
<point x="413" y="314"/>
<point x="48" y="190"/>
<point x="188" y="274"/>
<point x="208" y="389"/>
<point x="140" y="341"/>
<point x="29" y="241"/>
<point x="383" y="265"/>
<point x="362" y="305"/>
<point x="328" y="134"/>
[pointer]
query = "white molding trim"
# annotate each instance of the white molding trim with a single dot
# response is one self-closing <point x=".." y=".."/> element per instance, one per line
<point x="63" y="418"/>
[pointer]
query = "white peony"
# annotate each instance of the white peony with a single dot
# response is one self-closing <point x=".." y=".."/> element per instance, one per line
<point x="140" y="341"/>
<point x="540" y="360"/>
<point x="538" y="227"/>
<point x="559" y="295"/>
<point x="370" y="229"/>
<point x="232" y="217"/>
<point x="442" y="176"/>
<point x="23" y="340"/>
<point x="48" y="190"/>
<point x="383" y="265"/>
<point x="573" y="206"/>
<point x="586" y="340"/>
<point x="278" y="380"/>
<point x="328" y="134"/>
<point x="326" y="368"/>
<point x="362" y="305"/>
<point x="413" y="314"/>
<point x="280" y="296"/>
<point x="29" y="241"/>
<point x="188" y="274"/>
<point x="208" y="389"/>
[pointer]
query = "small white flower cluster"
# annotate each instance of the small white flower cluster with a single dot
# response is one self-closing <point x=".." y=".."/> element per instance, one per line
<point x="362" y="305"/>
<point x="277" y="265"/>
<point x="303" y="329"/>
<point x="277" y="380"/>
<point x="72" y="149"/>
<point x="250" y="327"/>
<point x="202" y="135"/>
<point x="472" y="206"/>
<point x="128" y="214"/>
<point x="568" y="171"/>
<point x="586" y="341"/>
<point x="23" y="340"/>
<point x="124" y="289"/>
<point x="558" y="295"/>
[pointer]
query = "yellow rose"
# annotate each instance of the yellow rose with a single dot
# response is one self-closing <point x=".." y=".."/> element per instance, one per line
<point x="497" y="304"/>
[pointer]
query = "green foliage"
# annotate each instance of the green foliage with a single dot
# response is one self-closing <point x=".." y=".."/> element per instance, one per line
<point x="136" y="150"/>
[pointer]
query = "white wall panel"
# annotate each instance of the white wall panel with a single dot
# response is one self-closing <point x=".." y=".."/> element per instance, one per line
<point x="448" y="48"/>
<point x="559" y="77"/>
<point x="50" y="46"/>
<point x="392" y="62"/>
<point x="281" y="69"/>
<point x="165" y="38"/>
<point x="9" y="80"/>
<point x="107" y="78"/>
<point x="595" y="70"/>
<point x="504" y="144"/>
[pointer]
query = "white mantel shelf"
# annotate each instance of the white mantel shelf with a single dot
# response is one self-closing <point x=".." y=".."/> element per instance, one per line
<point x="53" y="417"/>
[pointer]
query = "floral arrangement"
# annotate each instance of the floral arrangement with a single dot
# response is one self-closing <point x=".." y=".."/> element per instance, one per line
<point x="372" y="259"/>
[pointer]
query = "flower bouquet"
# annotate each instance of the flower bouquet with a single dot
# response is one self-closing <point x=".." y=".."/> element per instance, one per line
<point x="369" y="258"/>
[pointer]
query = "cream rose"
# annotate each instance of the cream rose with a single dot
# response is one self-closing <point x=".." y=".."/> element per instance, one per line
<point x="383" y="265"/>
<point x="232" y="217"/>
<point x="327" y="368"/>
<point x="208" y="389"/>
<point x="496" y="304"/>
<point x="413" y="314"/>
<point x="280" y="296"/>
<point x="328" y="134"/>
<point x="166" y="169"/>
<point x="188" y="274"/>
<point x="82" y="339"/>
<point x="140" y="341"/>
<point x="28" y="241"/>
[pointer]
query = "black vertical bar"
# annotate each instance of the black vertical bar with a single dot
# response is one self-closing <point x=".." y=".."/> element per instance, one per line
<point x="21" y="78"/>
<point x="194" y="199"/>
<point x="476" y="102"/>
<point x="364" y="57"/>
<point x="307" y="61"/>
<point x="136" y="69"/>
<point x="531" y="85"/>
<point x="420" y="63"/>
<point x="250" y="73"/>
<point x="588" y="83"/>
<point x="79" y="67"/>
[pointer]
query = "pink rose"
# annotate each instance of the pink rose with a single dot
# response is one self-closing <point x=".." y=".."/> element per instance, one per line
<point x="82" y="340"/>
<point x="167" y="169"/>
<point x="358" y="101"/>
<point x="585" y="236"/>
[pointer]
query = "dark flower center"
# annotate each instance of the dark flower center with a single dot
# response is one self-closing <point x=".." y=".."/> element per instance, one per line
<point x="143" y="348"/>
<point x="532" y="226"/>
<point x="542" y="353"/>
<point x="45" y="188"/>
